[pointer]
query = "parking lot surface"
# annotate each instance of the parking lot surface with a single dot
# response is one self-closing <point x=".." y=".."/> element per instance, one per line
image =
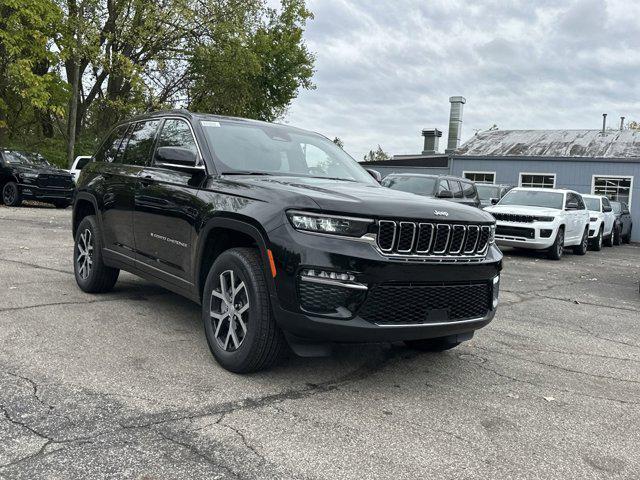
<point x="122" y="385"/>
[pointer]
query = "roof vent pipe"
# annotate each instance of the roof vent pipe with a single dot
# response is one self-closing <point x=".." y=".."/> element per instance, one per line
<point x="621" y="123"/>
<point x="604" y="122"/>
<point x="455" y="123"/>
<point x="431" y="137"/>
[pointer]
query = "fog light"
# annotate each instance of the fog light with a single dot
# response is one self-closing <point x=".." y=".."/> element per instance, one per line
<point x="545" y="233"/>
<point x="496" y="290"/>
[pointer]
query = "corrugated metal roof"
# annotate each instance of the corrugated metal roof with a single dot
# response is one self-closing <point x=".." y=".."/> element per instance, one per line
<point x="554" y="143"/>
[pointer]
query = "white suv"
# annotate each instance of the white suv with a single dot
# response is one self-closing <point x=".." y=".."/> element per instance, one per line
<point x="542" y="219"/>
<point x="78" y="165"/>
<point x="602" y="221"/>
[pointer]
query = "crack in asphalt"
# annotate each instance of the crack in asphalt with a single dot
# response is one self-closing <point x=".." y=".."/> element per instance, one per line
<point x="82" y="302"/>
<point x="364" y="371"/>
<point x="34" y="265"/>
<point x="242" y="437"/>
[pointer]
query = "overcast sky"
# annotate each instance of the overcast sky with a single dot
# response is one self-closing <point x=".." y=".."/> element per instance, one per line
<point x="386" y="69"/>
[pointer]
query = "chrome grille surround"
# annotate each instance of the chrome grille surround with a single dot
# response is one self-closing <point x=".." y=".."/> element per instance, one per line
<point x="435" y="241"/>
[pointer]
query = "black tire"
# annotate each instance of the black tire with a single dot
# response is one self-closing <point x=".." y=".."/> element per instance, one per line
<point x="62" y="205"/>
<point x="557" y="249"/>
<point x="248" y="340"/>
<point x="627" y="237"/>
<point x="584" y="243"/>
<point x="617" y="237"/>
<point x="608" y="240"/>
<point x="596" y="244"/>
<point x="11" y="196"/>
<point x="95" y="277"/>
<point x="439" y="344"/>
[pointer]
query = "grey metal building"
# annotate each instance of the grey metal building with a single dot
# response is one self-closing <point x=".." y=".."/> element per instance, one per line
<point x="603" y="162"/>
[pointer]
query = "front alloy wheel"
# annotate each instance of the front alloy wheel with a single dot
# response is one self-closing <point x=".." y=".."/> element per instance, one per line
<point x="11" y="195"/>
<point x="84" y="257"/>
<point x="229" y="311"/>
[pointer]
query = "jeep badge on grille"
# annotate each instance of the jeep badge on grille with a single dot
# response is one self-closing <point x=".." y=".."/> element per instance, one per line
<point x="441" y="213"/>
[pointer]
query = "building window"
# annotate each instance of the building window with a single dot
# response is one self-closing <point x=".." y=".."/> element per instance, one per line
<point x="613" y="187"/>
<point x="480" y="177"/>
<point x="538" y="180"/>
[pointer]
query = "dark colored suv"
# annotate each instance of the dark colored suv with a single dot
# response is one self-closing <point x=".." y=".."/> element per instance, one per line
<point x="281" y="237"/>
<point x="26" y="175"/>
<point x="455" y="189"/>
<point x="491" y="194"/>
<point x="624" y="224"/>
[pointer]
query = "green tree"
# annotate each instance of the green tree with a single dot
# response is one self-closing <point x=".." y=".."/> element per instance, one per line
<point x="253" y="63"/>
<point x="30" y="90"/>
<point x="376" y="155"/>
<point x="338" y="141"/>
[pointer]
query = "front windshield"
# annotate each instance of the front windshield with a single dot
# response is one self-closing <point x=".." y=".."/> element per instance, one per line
<point x="417" y="185"/>
<point x="592" y="203"/>
<point x="268" y="149"/>
<point x="532" y="198"/>
<point x="487" y="192"/>
<point x="616" y="206"/>
<point x="23" y="158"/>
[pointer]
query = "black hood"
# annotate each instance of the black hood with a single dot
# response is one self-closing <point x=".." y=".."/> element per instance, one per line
<point x="38" y="169"/>
<point x="345" y="197"/>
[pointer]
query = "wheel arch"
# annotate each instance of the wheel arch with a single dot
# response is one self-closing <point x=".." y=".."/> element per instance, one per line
<point x="84" y="204"/>
<point x="222" y="233"/>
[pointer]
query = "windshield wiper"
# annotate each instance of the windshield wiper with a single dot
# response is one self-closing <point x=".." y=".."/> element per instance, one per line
<point x="246" y="173"/>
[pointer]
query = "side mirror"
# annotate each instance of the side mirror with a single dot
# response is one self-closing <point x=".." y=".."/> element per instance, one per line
<point x="375" y="174"/>
<point x="176" y="157"/>
<point x="572" y="206"/>
<point x="607" y="209"/>
<point x="445" y="194"/>
<point x="494" y="201"/>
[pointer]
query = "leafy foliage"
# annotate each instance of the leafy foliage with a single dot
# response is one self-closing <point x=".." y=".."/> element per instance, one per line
<point x="109" y="59"/>
<point x="376" y="155"/>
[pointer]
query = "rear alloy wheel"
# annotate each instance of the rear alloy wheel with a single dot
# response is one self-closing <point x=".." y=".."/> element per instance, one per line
<point x="239" y="325"/>
<point x="11" y="195"/>
<point x="617" y="238"/>
<point x="608" y="241"/>
<point x="584" y="244"/>
<point x="92" y="275"/>
<point x="597" y="242"/>
<point x="557" y="249"/>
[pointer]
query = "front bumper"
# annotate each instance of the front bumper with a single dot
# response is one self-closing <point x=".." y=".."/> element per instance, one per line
<point x="535" y="235"/>
<point x="45" y="194"/>
<point x="295" y="252"/>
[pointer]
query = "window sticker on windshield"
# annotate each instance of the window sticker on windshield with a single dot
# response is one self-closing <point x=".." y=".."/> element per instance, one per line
<point x="208" y="123"/>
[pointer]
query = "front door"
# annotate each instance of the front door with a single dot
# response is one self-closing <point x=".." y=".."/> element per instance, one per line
<point x="166" y="208"/>
<point x="117" y="194"/>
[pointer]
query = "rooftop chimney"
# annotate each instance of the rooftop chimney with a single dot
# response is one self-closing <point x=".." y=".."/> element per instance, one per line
<point x="431" y="139"/>
<point x="455" y="123"/>
<point x="604" y="123"/>
<point x="621" y="123"/>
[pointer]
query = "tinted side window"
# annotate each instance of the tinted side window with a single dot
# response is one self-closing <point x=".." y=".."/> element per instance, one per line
<point x="469" y="190"/>
<point x="580" y="201"/>
<point x="455" y="188"/>
<point x="176" y="133"/>
<point x="443" y="185"/>
<point x="108" y="151"/>
<point x="140" y="143"/>
<point x="605" y="202"/>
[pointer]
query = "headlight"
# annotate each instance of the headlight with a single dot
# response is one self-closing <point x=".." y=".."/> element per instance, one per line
<point x="544" y="219"/>
<point x="333" y="225"/>
<point x="492" y="234"/>
<point x="29" y="175"/>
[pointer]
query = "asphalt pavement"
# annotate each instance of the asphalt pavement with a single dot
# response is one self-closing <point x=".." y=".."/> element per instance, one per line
<point x="122" y="385"/>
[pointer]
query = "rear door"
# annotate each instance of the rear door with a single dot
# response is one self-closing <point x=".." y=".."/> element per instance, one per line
<point x="166" y="208"/>
<point x="571" y="216"/>
<point x="609" y="216"/>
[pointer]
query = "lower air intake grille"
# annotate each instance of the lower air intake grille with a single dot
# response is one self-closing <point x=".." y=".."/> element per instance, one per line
<point x="412" y="304"/>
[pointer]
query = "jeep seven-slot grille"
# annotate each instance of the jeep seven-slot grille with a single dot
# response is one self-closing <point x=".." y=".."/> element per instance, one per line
<point x="512" y="217"/>
<point x="432" y="239"/>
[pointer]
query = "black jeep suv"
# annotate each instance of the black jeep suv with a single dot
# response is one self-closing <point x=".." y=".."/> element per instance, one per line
<point x="26" y="175"/>
<point x="281" y="237"/>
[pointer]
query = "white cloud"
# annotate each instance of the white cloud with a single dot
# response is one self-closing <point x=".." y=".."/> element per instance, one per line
<point x="385" y="70"/>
